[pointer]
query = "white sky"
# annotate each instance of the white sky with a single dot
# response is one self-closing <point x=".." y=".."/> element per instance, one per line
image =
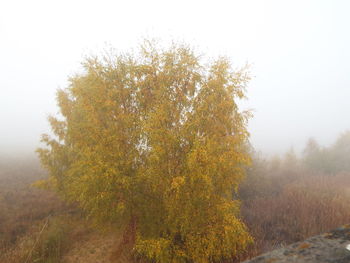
<point x="299" y="51"/>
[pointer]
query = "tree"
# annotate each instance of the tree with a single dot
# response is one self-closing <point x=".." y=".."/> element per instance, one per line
<point x="155" y="142"/>
<point x="339" y="154"/>
<point x="291" y="163"/>
<point x="329" y="160"/>
<point x="313" y="156"/>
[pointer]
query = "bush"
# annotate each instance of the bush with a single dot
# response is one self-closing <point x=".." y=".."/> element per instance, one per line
<point x="46" y="244"/>
<point x="52" y="244"/>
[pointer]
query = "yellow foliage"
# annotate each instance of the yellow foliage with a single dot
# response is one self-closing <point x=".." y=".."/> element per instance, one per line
<point x="157" y="139"/>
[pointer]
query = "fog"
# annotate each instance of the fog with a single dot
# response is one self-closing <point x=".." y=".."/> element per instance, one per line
<point x="298" y="52"/>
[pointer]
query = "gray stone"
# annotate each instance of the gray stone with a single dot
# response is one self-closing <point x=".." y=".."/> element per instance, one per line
<point x="332" y="247"/>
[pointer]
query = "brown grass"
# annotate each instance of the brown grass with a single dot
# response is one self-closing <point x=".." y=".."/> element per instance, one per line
<point x="22" y="206"/>
<point x="279" y="206"/>
<point x="307" y="206"/>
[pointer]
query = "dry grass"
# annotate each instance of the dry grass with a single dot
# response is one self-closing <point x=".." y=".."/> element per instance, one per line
<point x="306" y="206"/>
<point x="279" y="206"/>
<point x="24" y="210"/>
<point x="49" y="241"/>
<point x="36" y="226"/>
<point x="22" y="206"/>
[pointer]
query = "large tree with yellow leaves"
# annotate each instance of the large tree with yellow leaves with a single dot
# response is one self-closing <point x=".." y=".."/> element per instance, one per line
<point x="155" y="143"/>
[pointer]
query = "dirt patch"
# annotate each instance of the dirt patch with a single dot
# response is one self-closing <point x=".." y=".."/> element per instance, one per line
<point x="95" y="248"/>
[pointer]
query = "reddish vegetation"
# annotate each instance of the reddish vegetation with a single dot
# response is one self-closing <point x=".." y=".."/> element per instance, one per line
<point x="22" y="206"/>
<point x="290" y="205"/>
<point x="282" y="202"/>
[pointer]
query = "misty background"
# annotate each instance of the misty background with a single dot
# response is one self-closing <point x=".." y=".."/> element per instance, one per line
<point x="298" y="51"/>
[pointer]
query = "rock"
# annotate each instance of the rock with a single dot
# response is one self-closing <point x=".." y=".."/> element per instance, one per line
<point x="332" y="247"/>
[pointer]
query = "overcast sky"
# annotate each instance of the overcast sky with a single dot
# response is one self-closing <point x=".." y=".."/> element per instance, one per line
<point x="298" y="49"/>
